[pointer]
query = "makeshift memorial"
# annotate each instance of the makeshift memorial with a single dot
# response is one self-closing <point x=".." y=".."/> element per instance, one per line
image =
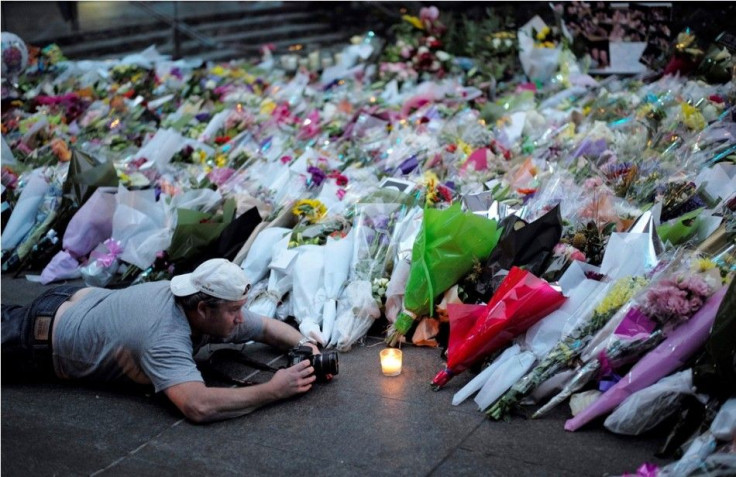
<point x="442" y="116"/>
<point x="682" y="342"/>
<point x="445" y="249"/>
<point x="475" y="331"/>
<point x="667" y="302"/>
<point x="570" y="347"/>
<point x="522" y="244"/>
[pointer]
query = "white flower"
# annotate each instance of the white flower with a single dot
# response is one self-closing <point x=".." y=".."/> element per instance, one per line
<point x="496" y="43"/>
<point x="443" y="56"/>
<point x="422" y="50"/>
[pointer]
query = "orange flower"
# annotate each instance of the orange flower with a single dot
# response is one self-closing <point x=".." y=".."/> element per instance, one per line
<point x="61" y="150"/>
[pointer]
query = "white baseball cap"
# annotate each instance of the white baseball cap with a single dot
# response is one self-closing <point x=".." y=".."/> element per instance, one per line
<point x="217" y="277"/>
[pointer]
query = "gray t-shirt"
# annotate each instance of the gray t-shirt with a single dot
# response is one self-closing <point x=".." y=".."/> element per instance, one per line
<point x="134" y="334"/>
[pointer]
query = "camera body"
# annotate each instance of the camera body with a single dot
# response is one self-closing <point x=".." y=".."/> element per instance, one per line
<point x="323" y="364"/>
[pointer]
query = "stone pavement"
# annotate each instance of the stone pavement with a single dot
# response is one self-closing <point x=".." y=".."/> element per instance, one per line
<point x="361" y="423"/>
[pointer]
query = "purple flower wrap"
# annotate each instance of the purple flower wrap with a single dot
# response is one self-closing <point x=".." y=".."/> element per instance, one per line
<point x="672" y="353"/>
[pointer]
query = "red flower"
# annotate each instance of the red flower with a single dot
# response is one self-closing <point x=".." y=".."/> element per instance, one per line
<point x="445" y="193"/>
<point x="138" y="162"/>
<point x="222" y="139"/>
<point x="451" y="148"/>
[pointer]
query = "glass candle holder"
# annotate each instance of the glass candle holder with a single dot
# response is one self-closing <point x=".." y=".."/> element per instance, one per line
<point x="391" y="361"/>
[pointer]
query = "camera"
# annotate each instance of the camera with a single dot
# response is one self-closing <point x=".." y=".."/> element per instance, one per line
<point x="323" y="364"/>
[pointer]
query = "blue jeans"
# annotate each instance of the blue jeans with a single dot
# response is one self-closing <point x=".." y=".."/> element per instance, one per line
<point x="26" y="341"/>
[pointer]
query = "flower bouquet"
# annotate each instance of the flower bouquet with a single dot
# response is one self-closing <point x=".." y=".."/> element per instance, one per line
<point x="668" y="356"/>
<point x="373" y="227"/>
<point x="102" y="265"/>
<point x="564" y="352"/>
<point x="307" y="276"/>
<point x="336" y="271"/>
<point x="475" y="331"/>
<point x="527" y="245"/>
<point x="90" y="226"/>
<point x="667" y="302"/>
<point x="448" y="244"/>
<point x="539" y="49"/>
<point x="280" y="280"/>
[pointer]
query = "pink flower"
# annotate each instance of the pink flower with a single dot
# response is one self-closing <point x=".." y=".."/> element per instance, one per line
<point x="310" y="127"/>
<point x="285" y="159"/>
<point x="429" y="14"/>
<point x="220" y="175"/>
<point x="593" y="183"/>
<point x="577" y="255"/>
<point x="340" y="193"/>
<point x="281" y="113"/>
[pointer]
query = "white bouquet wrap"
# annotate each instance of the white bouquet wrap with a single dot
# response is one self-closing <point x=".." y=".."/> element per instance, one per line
<point x="338" y="254"/>
<point x="307" y="275"/>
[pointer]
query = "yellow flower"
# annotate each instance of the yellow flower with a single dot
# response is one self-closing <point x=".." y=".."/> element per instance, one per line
<point x="692" y="117"/>
<point x="703" y="265"/>
<point x="465" y="147"/>
<point x="202" y="156"/>
<point x="218" y="71"/>
<point x="267" y="106"/>
<point x="311" y="209"/>
<point x="621" y="292"/>
<point x="414" y="21"/>
<point x="124" y="178"/>
<point x="542" y="34"/>
<point x="221" y="160"/>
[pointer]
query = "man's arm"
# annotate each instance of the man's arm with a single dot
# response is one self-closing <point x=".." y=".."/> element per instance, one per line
<point x="200" y="403"/>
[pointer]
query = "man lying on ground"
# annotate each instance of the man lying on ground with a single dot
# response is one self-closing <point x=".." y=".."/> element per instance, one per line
<point x="149" y="333"/>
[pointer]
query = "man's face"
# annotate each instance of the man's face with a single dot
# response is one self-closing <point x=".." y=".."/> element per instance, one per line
<point x="221" y="320"/>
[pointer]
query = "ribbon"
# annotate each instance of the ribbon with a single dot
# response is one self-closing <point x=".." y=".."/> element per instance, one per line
<point x="114" y="249"/>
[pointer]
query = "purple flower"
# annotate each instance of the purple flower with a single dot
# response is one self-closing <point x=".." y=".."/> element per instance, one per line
<point x="318" y="175"/>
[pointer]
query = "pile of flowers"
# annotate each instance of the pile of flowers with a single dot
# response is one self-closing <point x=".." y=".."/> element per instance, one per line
<point x="419" y="208"/>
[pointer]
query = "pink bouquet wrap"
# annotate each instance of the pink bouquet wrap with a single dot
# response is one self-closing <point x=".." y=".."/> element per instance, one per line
<point x="520" y="301"/>
<point x="671" y="354"/>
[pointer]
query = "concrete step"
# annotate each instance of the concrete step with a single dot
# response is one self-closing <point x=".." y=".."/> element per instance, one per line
<point x="220" y="31"/>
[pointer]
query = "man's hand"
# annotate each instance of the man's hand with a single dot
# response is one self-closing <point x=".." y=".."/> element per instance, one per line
<point x="294" y="380"/>
<point x="315" y="348"/>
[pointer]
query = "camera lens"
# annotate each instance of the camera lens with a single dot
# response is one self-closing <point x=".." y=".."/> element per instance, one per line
<point x="325" y="363"/>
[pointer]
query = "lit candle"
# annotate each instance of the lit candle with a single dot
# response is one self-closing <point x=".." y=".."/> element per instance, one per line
<point x="391" y="361"/>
